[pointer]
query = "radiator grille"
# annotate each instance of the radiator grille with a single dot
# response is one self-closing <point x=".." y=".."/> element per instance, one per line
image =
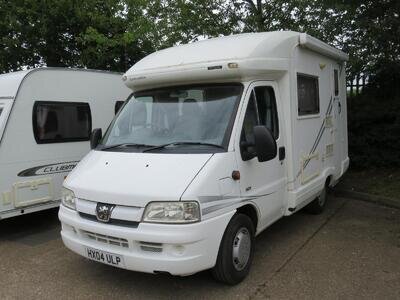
<point x="112" y="221"/>
<point x="106" y="239"/>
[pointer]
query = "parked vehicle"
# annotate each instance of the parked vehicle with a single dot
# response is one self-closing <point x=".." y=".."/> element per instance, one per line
<point x="220" y="139"/>
<point x="46" y="116"/>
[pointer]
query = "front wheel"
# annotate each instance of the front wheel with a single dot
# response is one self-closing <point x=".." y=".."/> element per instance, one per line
<point x="236" y="251"/>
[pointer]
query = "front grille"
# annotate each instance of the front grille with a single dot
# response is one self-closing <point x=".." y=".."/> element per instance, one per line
<point x="117" y="222"/>
<point x="106" y="239"/>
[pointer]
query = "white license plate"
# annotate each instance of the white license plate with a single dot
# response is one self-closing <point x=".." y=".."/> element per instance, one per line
<point x="105" y="257"/>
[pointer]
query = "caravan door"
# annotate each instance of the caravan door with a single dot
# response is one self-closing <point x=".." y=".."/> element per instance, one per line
<point x="5" y="107"/>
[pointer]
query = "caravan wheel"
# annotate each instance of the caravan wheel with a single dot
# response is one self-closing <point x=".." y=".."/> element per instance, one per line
<point x="318" y="204"/>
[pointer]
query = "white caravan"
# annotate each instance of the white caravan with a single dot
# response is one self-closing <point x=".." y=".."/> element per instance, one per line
<point x="46" y="116"/>
<point x="220" y="139"/>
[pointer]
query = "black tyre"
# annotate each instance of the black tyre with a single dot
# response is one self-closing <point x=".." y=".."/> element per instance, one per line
<point x="236" y="251"/>
<point x="318" y="204"/>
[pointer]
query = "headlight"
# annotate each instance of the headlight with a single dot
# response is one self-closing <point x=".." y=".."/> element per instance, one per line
<point x="172" y="212"/>
<point x="68" y="198"/>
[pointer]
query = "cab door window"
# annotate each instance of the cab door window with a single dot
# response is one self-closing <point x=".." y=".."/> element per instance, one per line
<point x="266" y="105"/>
<point x="118" y="105"/>
<point x="261" y="110"/>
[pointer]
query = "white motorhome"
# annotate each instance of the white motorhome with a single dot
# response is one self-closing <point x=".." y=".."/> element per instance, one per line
<point x="220" y="139"/>
<point x="46" y="116"/>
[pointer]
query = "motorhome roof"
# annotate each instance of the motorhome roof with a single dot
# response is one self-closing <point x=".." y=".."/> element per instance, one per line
<point x="277" y="45"/>
<point x="10" y="82"/>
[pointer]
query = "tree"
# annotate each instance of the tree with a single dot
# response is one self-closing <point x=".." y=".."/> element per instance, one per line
<point x="114" y="34"/>
<point x="67" y="33"/>
<point x="14" y="52"/>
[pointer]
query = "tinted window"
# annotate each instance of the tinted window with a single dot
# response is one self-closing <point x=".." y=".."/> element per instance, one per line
<point x="118" y="106"/>
<point x="250" y="120"/>
<point x="266" y="105"/>
<point x="308" y="95"/>
<point x="336" y="81"/>
<point x="59" y="122"/>
<point x="261" y="110"/>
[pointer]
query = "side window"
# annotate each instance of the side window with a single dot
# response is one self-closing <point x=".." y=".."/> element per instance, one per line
<point x="261" y="110"/>
<point x="336" y="81"/>
<point x="250" y="120"/>
<point x="60" y="122"/>
<point x="267" y="112"/>
<point x="118" y="106"/>
<point x="307" y="95"/>
<point x="1" y="110"/>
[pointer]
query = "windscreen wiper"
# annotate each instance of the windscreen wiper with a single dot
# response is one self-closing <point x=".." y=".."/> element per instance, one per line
<point x="125" y="145"/>
<point x="182" y="143"/>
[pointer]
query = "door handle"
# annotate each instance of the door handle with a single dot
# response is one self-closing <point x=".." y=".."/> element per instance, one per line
<point x="282" y="153"/>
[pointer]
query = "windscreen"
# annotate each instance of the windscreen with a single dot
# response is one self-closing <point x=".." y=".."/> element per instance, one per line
<point x="200" y="114"/>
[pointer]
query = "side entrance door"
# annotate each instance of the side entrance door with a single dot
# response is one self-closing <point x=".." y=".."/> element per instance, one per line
<point x="337" y="119"/>
<point x="264" y="182"/>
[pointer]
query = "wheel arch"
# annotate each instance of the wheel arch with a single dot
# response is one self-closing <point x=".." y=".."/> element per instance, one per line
<point x="251" y="211"/>
<point x="329" y="181"/>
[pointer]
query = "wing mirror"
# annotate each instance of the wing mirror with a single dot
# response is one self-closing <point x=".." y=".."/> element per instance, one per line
<point x="264" y="146"/>
<point x="95" y="137"/>
<point x="265" y="143"/>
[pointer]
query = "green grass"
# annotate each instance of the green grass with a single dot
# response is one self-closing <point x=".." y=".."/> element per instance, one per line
<point x="382" y="182"/>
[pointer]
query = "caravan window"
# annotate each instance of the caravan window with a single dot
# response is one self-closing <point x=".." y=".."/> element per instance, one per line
<point x="336" y="81"/>
<point x="307" y="95"/>
<point x="60" y="122"/>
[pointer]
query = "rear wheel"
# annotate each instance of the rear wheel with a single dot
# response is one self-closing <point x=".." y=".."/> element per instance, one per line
<point x="318" y="204"/>
<point x="236" y="251"/>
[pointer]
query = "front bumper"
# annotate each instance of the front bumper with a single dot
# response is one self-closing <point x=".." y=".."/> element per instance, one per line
<point x="177" y="249"/>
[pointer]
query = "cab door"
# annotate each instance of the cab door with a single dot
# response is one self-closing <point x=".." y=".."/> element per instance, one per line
<point x="263" y="182"/>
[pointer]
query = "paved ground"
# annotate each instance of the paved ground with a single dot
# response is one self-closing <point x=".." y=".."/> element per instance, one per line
<point x="352" y="251"/>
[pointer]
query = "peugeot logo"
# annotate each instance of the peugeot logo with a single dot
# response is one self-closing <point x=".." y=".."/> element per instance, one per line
<point x="103" y="212"/>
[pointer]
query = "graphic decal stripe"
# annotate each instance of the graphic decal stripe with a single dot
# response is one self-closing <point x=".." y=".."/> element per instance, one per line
<point x="206" y="199"/>
<point x="213" y="208"/>
<point x="319" y="135"/>
<point x="49" y="169"/>
<point x="322" y="128"/>
<point x="235" y="200"/>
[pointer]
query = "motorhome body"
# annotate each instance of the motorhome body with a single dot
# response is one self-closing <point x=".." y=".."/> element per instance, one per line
<point x="249" y="128"/>
<point x="46" y="116"/>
